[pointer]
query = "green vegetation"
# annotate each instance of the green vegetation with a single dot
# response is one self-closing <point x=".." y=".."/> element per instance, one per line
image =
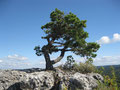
<point x="84" y="68"/>
<point x="107" y="71"/>
<point x="65" y="32"/>
<point x="111" y="79"/>
<point x="69" y="63"/>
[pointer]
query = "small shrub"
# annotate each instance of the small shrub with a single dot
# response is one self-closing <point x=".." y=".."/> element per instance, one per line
<point x="84" y="67"/>
<point x="69" y="64"/>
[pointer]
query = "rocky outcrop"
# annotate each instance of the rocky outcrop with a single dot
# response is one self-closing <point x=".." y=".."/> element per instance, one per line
<point x="47" y="80"/>
<point x="18" y="80"/>
<point x="85" y="81"/>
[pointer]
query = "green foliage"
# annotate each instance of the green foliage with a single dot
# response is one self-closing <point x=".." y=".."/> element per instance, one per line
<point x="110" y="82"/>
<point x="100" y="70"/>
<point x="67" y="31"/>
<point x="113" y="80"/>
<point x="107" y="71"/>
<point x="84" y="68"/>
<point x="69" y="63"/>
<point x="90" y="60"/>
<point x="102" y="86"/>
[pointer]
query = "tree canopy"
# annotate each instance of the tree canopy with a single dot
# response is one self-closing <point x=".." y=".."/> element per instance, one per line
<point x="65" y="32"/>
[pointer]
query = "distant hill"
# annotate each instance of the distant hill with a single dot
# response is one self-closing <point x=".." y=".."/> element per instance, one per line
<point x="107" y="71"/>
<point x="107" y="66"/>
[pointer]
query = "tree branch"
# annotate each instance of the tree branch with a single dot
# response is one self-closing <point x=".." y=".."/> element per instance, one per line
<point x="58" y="43"/>
<point x="65" y="50"/>
<point x="60" y="57"/>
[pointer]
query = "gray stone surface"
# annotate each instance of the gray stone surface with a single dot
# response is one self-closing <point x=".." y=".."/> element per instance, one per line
<point x="19" y="80"/>
<point x="47" y="80"/>
<point x="85" y="81"/>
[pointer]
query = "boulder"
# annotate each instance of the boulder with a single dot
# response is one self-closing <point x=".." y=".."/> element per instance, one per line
<point x="85" y="81"/>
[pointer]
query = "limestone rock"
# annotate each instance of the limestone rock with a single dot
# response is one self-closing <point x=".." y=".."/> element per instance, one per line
<point x="18" y="80"/>
<point x="47" y="80"/>
<point x="85" y="81"/>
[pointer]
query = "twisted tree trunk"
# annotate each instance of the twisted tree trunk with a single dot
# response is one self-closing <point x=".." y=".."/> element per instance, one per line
<point x="49" y="65"/>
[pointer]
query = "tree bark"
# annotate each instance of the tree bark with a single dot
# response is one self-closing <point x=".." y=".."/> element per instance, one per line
<point x="49" y="65"/>
<point x="59" y="58"/>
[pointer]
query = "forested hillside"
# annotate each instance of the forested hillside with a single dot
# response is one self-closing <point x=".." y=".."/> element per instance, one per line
<point x="107" y="71"/>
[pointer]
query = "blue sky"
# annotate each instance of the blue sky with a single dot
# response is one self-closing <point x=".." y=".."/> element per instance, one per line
<point x="21" y="21"/>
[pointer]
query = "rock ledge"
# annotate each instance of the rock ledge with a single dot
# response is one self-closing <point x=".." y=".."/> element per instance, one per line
<point x="47" y="80"/>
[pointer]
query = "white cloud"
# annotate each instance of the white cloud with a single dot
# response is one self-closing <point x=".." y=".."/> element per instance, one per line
<point x="14" y="62"/>
<point x="116" y="37"/>
<point x="104" y="40"/>
<point x="1" y="61"/>
<point x="16" y="57"/>
<point x="107" y="40"/>
<point x="14" y="65"/>
<point x="20" y="62"/>
<point x="107" y="60"/>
